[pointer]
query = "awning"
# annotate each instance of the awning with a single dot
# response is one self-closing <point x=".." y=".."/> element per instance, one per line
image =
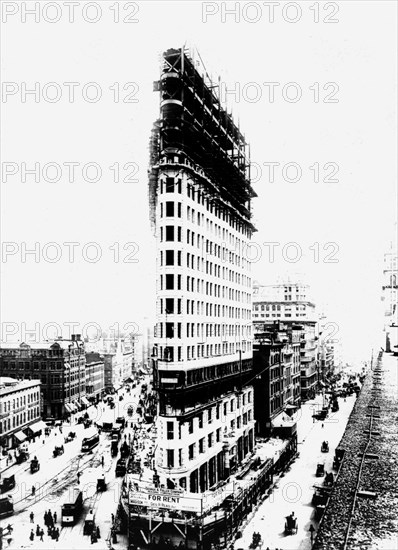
<point x="290" y="407"/>
<point x="20" y="436"/>
<point x="70" y="407"/>
<point x="37" y="427"/>
<point x="321" y="383"/>
<point x="85" y="401"/>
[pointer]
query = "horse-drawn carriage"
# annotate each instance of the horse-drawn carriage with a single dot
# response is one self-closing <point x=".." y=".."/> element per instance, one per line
<point x="34" y="465"/>
<point x="70" y="437"/>
<point x="124" y="450"/>
<point x="291" y="525"/>
<point x="58" y="451"/>
<point x="256" y="541"/>
<point x="101" y="484"/>
<point x="325" y="447"/>
<point x="320" y="470"/>
<point x="329" y="480"/>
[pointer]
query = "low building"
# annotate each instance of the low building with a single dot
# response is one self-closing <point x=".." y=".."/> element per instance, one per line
<point x="95" y="376"/>
<point x="19" y="409"/>
<point x="59" y="365"/>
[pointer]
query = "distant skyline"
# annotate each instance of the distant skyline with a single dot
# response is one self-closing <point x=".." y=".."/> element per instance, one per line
<point x="350" y="221"/>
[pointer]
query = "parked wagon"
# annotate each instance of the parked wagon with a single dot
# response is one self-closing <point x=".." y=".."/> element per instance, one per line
<point x="7" y="484"/>
<point x="22" y="456"/>
<point x="320" y="470"/>
<point x="320" y="499"/>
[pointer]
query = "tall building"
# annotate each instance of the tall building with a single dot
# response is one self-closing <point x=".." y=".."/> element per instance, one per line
<point x="289" y="303"/>
<point x="59" y="365"/>
<point x="200" y="196"/>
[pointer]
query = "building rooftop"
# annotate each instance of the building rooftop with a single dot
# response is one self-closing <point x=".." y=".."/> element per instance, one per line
<point x="8" y="384"/>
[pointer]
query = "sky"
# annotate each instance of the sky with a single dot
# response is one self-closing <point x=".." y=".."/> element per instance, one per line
<point x="327" y="125"/>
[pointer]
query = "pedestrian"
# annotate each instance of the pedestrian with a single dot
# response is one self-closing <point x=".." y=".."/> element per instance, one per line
<point x="37" y="530"/>
<point x="50" y="520"/>
<point x="33" y="490"/>
<point x="102" y="460"/>
<point x="32" y="535"/>
<point x="41" y="534"/>
<point x="322" y="424"/>
<point x="55" y="517"/>
<point x="113" y="518"/>
<point x="98" y="532"/>
<point x="32" y="517"/>
<point x="56" y="534"/>
<point x="45" y="519"/>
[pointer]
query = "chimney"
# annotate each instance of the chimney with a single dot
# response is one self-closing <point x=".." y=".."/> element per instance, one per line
<point x="78" y="337"/>
<point x="73" y="337"/>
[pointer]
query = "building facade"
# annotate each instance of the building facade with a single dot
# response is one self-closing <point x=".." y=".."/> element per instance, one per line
<point x="20" y="407"/>
<point x="95" y="376"/>
<point x="288" y="303"/>
<point x="59" y="365"/>
<point x="276" y="358"/>
<point x="200" y="197"/>
<point x="390" y="298"/>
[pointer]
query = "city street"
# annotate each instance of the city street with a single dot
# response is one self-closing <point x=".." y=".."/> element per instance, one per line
<point x="294" y="490"/>
<point x="56" y="477"/>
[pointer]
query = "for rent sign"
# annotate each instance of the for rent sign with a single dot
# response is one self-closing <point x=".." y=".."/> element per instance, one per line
<point x="166" y="499"/>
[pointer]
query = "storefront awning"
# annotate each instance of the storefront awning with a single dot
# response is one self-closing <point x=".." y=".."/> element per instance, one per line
<point x="85" y="401"/>
<point x="20" y="436"/>
<point x="290" y="407"/>
<point x="37" y="427"/>
<point x="70" y="407"/>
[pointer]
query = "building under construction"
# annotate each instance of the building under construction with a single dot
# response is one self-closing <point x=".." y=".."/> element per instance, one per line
<point x="206" y="473"/>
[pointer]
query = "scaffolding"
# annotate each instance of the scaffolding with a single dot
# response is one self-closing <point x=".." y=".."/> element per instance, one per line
<point x="194" y="126"/>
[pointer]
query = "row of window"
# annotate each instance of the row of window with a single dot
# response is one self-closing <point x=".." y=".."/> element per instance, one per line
<point x="19" y="420"/>
<point x="172" y="353"/>
<point x="169" y="306"/>
<point x="172" y="185"/>
<point x="8" y="405"/>
<point x="169" y="281"/>
<point x="203" y="330"/>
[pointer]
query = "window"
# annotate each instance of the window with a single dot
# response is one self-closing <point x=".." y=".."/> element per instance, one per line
<point x="180" y="457"/>
<point x="202" y="445"/>
<point x="170" y="430"/>
<point x="169" y="185"/>
<point x="170" y="458"/>
<point x="210" y="440"/>
<point x="191" y="451"/>
<point x="169" y="282"/>
<point x="169" y="306"/>
<point x="169" y="209"/>
<point x="190" y="426"/>
<point x="201" y="420"/>
<point x="209" y="416"/>
<point x="169" y="330"/>
<point x="169" y="257"/>
<point x="169" y="232"/>
<point x="218" y="434"/>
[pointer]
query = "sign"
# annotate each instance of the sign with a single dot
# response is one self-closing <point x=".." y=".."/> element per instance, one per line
<point x="166" y="499"/>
